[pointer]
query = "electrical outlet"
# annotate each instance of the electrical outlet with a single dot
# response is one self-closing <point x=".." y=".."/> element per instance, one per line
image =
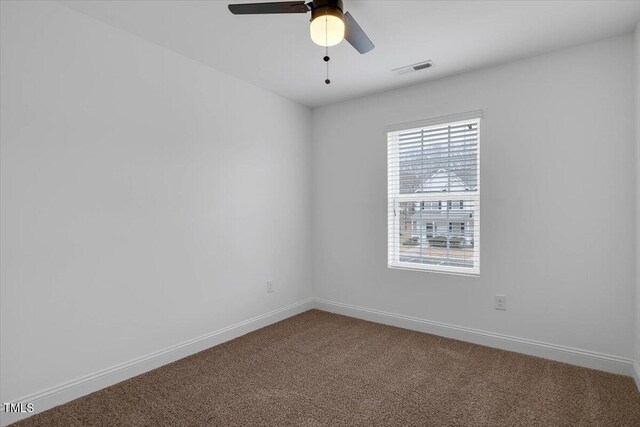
<point x="269" y="286"/>
<point x="501" y="302"/>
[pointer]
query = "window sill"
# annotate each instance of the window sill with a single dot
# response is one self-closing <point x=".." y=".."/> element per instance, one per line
<point x="456" y="271"/>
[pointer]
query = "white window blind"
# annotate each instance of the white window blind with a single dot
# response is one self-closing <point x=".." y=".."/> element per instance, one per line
<point x="434" y="197"/>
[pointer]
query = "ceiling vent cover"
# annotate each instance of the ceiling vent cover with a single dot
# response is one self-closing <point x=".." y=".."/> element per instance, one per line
<point x="413" y="67"/>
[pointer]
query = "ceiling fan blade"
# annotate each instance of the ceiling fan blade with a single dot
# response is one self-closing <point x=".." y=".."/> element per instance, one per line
<point x="273" y="7"/>
<point x="354" y="35"/>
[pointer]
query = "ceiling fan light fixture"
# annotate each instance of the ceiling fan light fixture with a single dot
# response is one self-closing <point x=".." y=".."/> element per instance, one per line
<point x="330" y="24"/>
<point x="327" y="25"/>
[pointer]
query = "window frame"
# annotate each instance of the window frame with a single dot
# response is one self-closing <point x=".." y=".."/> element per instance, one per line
<point x="444" y="198"/>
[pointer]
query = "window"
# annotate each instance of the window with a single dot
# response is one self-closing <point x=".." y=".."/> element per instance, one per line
<point x="430" y="229"/>
<point x="434" y="184"/>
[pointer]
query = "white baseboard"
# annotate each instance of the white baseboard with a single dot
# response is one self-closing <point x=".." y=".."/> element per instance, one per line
<point x="574" y="356"/>
<point x="636" y="373"/>
<point x="47" y="399"/>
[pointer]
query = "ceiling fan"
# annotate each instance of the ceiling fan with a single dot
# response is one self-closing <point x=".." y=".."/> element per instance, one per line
<point x="329" y="25"/>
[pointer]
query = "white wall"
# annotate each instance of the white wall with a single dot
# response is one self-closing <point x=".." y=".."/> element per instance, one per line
<point x="557" y="182"/>
<point x="637" y="76"/>
<point x="146" y="198"/>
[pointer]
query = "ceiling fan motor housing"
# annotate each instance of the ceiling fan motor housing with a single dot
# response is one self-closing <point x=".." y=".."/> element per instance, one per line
<point x="326" y="7"/>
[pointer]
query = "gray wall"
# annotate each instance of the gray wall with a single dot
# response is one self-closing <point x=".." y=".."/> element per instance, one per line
<point x="637" y="76"/>
<point x="557" y="139"/>
<point x="146" y="198"/>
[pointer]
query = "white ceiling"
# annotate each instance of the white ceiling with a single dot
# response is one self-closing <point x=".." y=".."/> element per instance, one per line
<point x="276" y="53"/>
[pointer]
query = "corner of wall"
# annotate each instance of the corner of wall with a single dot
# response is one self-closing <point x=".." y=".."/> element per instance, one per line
<point x="637" y="167"/>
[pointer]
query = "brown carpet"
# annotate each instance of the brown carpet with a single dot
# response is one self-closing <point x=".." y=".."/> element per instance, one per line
<point x="321" y="369"/>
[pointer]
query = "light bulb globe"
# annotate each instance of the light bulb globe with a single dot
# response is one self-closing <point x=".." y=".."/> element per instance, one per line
<point x="327" y="30"/>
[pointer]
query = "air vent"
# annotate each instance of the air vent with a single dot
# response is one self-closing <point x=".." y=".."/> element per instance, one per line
<point x="413" y="67"/>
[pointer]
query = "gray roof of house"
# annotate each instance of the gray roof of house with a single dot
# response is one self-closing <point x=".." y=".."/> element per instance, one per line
<point x="440" y="180"/>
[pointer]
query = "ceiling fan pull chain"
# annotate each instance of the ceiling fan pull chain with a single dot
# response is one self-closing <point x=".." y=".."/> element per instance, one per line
<point x="326" y="59"/>
<point x="326" y="44"/>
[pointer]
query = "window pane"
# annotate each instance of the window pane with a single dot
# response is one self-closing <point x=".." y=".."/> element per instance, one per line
<point x="433" y="236"/>
<point x="443" y="159"/>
